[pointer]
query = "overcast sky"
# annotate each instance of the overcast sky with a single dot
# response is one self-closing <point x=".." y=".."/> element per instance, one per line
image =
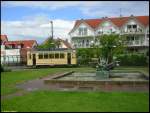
<point x="30" y="19"/>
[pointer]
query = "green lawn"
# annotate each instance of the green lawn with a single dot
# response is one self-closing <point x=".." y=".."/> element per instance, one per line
<point x="78" y="101"/>
<point x="10" y="79"/>
<point x="68" y="101"/>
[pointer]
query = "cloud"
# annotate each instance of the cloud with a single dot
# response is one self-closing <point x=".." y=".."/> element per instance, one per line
<point x="88" y="8"/>
<point x="50" y="5"/>
<point x="37" y="26"/>
<point x="37" y="29"/>
<point x="112" y="9"/>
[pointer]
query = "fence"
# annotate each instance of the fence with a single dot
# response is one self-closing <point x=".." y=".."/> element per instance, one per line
<point x="13" y="60"/>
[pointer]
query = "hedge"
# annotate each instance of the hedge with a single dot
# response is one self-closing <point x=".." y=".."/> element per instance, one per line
<point x="132" y="59"/>
<point x="84" y="55"/>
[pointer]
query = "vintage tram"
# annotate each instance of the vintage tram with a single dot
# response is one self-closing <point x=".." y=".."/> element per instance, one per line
<point x="51" y="57"/>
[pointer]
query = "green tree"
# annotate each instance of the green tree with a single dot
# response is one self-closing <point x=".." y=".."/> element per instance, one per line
<point x="111" y="45"/>
<point x="49" y="43"/>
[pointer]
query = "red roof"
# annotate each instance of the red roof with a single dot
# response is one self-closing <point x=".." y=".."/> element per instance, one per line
<point x="4" y="38"/>
<point x="118" y="21"/>
<point x="26" y="43"/>
<point x="66" y="43"/>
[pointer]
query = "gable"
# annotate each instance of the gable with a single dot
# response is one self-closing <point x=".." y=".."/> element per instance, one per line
<point x="117" y="21"/>
<point x="82" y="24"/>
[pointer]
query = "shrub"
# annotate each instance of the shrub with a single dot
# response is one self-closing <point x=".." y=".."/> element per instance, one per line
<point x="84" y="55"/>
<point x="132" y="59"/>
<point x="2" y="69"/>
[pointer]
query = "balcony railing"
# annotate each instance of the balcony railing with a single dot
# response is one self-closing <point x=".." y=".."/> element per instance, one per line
<point x="130" y="31"/>
<point x="135" y="43"/>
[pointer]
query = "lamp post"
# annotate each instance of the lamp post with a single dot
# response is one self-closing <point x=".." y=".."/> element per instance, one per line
<point x="51" y="28"/>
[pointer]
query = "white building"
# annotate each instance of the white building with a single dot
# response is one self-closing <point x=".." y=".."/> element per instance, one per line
<point x="15" y="51"/>
<point x="136" y="28"/>
<point x="10" y="56"/>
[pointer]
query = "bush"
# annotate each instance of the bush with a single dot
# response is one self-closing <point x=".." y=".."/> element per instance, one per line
<point x="2" y="69"/>
<point x="132" y="59"/>
<point x="84" y="55"/>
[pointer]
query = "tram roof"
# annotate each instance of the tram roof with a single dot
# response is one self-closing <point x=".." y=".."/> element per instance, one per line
<point x="53" y="49"/>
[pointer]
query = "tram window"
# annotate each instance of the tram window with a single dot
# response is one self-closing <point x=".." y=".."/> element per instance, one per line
<point x="73" y="55"/>
<point x="56" y="55"/>
<point x="40" y="56"/>
<point x="51" y="55"/>
<point x="29" y="56"/>
<point x="61" y="55"/>
<point x="45" y="56"/>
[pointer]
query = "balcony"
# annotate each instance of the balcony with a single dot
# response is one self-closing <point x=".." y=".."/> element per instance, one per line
<point x="133" y="31"/>
<point x="136" y="43"/>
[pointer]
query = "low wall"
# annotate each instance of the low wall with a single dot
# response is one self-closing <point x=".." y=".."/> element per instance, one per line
<point x="98" y="85"/>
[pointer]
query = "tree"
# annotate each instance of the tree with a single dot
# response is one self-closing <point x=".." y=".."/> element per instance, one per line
<point x="110" y="45"/>
<point x="49" y="43"/>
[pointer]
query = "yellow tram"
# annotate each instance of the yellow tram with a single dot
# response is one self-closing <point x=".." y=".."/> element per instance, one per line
<point x="51" y="57"/>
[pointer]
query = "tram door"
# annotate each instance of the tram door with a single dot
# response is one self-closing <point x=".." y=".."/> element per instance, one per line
<point x="69" y="58"/>
<point x="34" y="59"/>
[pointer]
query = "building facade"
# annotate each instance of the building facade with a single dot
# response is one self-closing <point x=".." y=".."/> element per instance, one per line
<point x="135" y="28"/>
<point x="13" y="52"/>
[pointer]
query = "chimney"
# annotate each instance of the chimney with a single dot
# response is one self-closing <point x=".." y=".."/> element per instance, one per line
<point x="132" y="15"/>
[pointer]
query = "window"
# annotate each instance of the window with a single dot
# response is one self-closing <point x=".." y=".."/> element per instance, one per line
<point x="85" y="31"/>
<point x="22" y="45"/>
<point x="128" y="26"/>
<point x="73" y="55"/>
<point x="82" y="31"/>
<point x="61" y="55"/>
<point x="134" y="26"/>
<point x="40" y="56"/>
<point x="56" y="55"/>
<point x="51" y="55"/>
<point x="13" y="46"/>
<point x="87" y="43"/>
<point x="46" y="56"/>
<point x="132" y="38"/>
<point x="82" y="42"/>
<point x="29" y="56"/>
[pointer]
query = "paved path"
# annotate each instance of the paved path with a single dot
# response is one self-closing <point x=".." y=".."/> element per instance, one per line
<point x="32" y="85"/>
<point x="18" y="93"/>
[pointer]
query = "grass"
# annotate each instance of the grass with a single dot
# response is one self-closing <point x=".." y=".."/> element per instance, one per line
<point x="78" y="102"/>
<point x="10" y="79"/>
<point x="68" y="101"/>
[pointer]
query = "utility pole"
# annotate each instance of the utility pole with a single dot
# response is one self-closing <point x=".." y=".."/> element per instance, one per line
<point x="120" y="13"/>
<point x="51" y="28"/>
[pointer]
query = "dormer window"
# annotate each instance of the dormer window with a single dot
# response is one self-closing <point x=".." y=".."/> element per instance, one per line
<point x="129" y="26"/>
<point x="82" y="31"/>
<point x="132" y="28"/>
